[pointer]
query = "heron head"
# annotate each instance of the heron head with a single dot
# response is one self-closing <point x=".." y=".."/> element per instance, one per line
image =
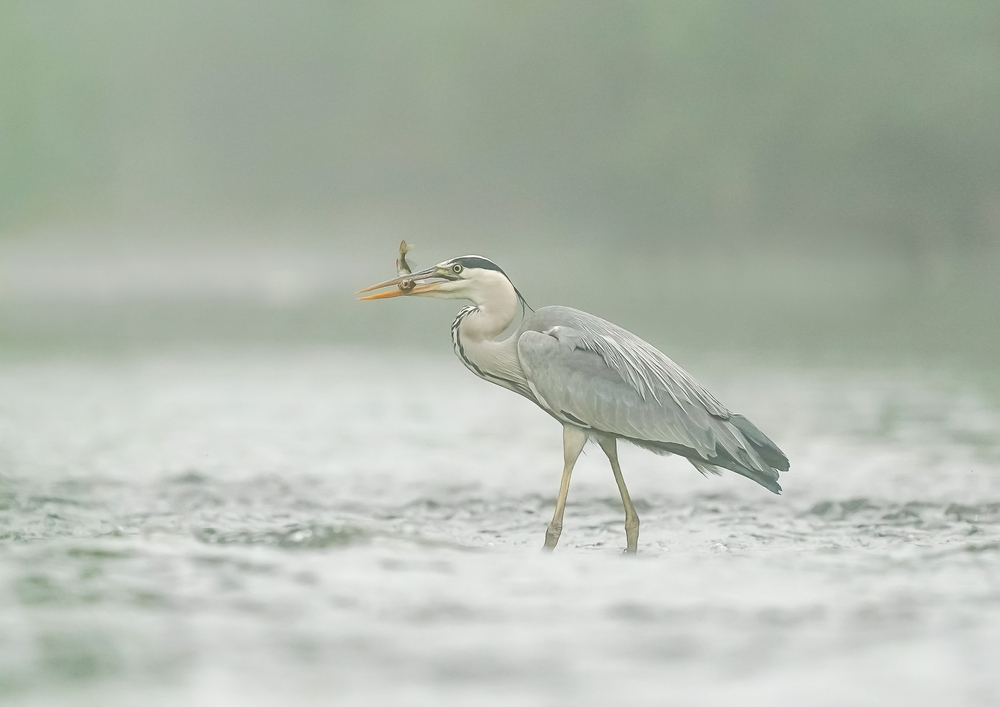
<point x="470" y="277"/>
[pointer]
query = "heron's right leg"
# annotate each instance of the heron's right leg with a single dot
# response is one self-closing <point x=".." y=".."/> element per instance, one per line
<point x="610" y="447"/>
<point x="573" y="440"/>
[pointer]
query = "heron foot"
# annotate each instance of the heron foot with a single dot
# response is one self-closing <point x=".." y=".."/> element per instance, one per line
<point x="632" y="535"/>
<point x="552" y="534"/>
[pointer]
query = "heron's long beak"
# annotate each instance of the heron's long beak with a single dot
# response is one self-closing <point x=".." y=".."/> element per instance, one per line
<point x="416" y="289"/>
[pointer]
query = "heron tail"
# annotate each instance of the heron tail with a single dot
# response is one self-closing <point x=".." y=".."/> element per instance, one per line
<point x="766" y="449"/>
<point x="767" y="477"/>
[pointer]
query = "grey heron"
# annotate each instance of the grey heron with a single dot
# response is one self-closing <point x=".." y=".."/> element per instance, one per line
<point x="600" y="381"/>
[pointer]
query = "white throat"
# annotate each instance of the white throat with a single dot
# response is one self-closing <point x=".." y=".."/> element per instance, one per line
<point x="475" y="332"/>
<point x="496" y="304"/>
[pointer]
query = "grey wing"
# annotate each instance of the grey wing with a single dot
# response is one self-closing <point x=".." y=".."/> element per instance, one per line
<point x="640" y="364"/>
<point x="594" y="377"/>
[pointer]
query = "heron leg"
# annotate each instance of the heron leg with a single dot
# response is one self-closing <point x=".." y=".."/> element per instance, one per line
<point x="610" y="447"/>
<point x="573" y="440"/>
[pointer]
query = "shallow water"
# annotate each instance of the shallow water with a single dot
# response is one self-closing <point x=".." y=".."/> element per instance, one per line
<point x="327" y="526"/>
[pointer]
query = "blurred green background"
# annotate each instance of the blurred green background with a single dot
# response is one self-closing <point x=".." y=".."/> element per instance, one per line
<point x="761" y="177"/>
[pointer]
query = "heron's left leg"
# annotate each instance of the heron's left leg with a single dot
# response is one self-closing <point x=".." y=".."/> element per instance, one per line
<point x="610" y="447"/>
<point x="573" y="440"/>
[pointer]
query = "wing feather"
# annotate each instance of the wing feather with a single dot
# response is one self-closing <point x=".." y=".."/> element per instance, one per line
<point x="589" y="372"/>
<point x="577" y="384"/>
<point x="639" y="363"/>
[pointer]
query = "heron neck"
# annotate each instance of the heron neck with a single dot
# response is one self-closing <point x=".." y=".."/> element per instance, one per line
<point x="496" y="306"/>
<point x="475" y="339"/>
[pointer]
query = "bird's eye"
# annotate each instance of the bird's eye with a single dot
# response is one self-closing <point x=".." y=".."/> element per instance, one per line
<point x="456" y="268"/>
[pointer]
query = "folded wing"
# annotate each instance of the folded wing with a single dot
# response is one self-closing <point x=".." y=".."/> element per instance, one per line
<point x="591" y="373"/>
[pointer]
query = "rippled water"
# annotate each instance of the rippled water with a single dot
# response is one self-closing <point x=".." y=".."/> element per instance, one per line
<point x="348" y="527"/>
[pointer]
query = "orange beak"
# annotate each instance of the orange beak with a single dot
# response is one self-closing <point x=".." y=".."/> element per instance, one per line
<point x="401" y="283"/>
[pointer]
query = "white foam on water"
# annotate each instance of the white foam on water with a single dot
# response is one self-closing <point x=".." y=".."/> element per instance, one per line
<point x="356" y="527"/>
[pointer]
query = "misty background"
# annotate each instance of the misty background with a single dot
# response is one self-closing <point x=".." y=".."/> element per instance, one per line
<point x="225" y="481"/>
<point x="759" y="177"/>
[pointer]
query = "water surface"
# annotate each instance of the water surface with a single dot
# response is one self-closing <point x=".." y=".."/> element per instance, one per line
<point x="310" y="526"/>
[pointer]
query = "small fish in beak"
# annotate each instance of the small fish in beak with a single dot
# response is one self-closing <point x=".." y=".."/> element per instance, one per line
<point x="403" y="268"/>
<point x="406" y="282"/>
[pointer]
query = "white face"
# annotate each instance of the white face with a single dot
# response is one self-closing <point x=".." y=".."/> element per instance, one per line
<point x="474" y="284"/>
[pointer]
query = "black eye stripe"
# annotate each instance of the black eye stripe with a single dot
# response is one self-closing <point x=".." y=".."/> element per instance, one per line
<point x="477" y="262"/>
